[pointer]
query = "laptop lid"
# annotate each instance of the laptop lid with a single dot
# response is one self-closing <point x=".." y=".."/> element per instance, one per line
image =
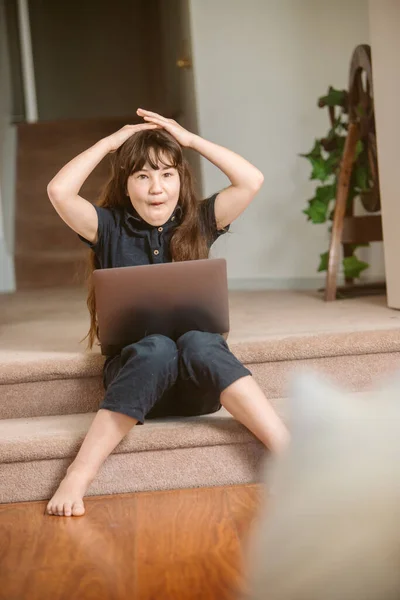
<point x="168" y="299"/>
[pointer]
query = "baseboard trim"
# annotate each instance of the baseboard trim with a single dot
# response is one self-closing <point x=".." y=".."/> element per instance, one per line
<point x="284" y="283"/>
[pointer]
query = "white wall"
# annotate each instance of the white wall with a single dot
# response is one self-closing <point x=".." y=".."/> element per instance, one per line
<point x="7" y="166"/>
<point x="385" y="41"/>
<point x="259" y="67"/>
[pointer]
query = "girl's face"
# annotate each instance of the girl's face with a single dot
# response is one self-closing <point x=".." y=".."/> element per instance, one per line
<point x="154" y="193"/>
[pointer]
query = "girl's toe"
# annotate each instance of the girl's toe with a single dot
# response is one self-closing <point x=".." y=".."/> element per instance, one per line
<point x="67" y="509"/>
<point x="78" y="509"/>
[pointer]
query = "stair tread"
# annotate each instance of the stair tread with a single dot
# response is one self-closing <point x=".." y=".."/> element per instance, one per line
<point x="43" y="366"/>
<point x="17" y="366"/>
<point x="52" y="254"/>
<point x="49" y="437"/>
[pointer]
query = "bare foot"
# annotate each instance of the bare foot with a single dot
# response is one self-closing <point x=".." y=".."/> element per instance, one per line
<point x="68" y="499"/>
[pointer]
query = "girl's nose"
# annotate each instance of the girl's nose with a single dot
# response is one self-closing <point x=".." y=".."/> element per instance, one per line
<point x="155" y="187"/>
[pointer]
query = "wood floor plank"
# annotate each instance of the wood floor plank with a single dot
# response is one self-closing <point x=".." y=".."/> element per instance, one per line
<point x="187" y="546"/>
<point x="178" y="544"/>
<point x="244" y="502"/>
<point x="90" y="557"/>
<point x="19" y="524"/>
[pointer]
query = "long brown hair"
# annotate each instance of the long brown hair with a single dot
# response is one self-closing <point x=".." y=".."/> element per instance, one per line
<point x="189" y="241"/>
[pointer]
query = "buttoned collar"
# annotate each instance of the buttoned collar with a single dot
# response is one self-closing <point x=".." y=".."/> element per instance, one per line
<point x="132" y="216"/>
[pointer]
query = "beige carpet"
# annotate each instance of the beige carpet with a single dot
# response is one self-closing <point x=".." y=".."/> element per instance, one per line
<point x="50" y="388"/>
<point x="56" y="319"/>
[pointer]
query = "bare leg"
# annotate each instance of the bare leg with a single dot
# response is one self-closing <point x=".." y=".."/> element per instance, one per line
<point x="246" y="401"/>
<point x="106" y="431"/>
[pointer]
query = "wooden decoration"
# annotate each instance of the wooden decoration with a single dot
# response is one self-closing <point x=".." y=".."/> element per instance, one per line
<point x="348" y="229"/>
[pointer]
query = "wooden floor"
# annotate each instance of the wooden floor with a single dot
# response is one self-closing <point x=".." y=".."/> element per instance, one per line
<point x="174" y="545"/>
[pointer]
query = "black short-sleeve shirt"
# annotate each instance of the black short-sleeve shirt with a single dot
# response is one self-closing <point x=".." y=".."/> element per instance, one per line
<point x="125" y="239"/>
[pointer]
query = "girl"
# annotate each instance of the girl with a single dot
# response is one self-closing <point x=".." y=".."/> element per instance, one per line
<point x="149" y="214"/>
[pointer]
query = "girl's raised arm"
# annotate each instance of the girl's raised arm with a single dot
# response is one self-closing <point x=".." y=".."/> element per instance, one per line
<point x="63" y="189"/>
<point x="245" y="178"/>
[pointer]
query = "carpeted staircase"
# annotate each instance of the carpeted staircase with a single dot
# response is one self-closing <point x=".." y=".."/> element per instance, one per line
<point x="50" y="389"/>
<point x="48" y="397"/>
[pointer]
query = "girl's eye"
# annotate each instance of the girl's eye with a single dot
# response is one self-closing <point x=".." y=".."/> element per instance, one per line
<point x="168" y="174"/>
<point x="142" y="175"/>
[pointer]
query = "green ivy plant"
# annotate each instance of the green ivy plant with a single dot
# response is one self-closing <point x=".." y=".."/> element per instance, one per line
<point x="325" y="158"/>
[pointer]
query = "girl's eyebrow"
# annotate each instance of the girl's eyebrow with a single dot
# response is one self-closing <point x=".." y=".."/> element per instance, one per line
<point x="165" y="169"/>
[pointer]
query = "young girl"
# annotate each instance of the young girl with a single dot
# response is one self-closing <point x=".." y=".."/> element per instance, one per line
<point x="149" y="214"/>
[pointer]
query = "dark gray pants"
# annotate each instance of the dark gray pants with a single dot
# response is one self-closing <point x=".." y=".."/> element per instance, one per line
<point x="157" y="377"/>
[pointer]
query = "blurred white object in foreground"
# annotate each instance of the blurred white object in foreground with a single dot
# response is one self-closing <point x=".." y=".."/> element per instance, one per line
<point x="331" y="529"/>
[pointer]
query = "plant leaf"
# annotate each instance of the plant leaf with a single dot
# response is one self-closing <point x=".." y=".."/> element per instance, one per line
<point x="353" y="267"/>
<point x="316" y="211"/>
<point x="333" y="132"/>
<point x="333" y="98"/>
<point x="359" y="148"/>
<point x="361" y="177"/>
<point x="315" y="152"/>
<point x="323" y="264"/>
<point x="321" y="169"/>
<point x="333" y="160"/>
<point x="318" y="206"/>
<point x="326" y="193"/>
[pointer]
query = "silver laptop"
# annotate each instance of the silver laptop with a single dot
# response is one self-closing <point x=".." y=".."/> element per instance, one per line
<point x="168" y="299"/>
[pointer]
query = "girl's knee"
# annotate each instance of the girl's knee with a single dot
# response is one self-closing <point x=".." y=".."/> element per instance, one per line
<point x="198" y="340"/>
<point x="199" y="347"/>
<point x="158" y="347"/>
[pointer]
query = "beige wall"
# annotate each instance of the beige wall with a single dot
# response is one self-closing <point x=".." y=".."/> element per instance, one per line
<point x="259" y="68"/>
<point x="384" y="18"/>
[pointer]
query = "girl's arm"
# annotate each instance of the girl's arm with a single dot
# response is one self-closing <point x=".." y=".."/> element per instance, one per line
<point x="69" y="180"/>
<point x="63" y="189"/>
<point x="245" y="178"/>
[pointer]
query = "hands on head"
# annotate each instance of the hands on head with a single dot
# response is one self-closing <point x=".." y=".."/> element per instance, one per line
<point x="153" y="121"/>
<point x="182" y="136"/>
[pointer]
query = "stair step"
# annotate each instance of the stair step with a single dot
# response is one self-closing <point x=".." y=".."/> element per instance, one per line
<point x="60" y="436"/>
<point x="54" y="256"/>
<point x="34" y="384"/>
<point x="50" y="268"/>
<point x="45" y="234"/>
<point x="34" y="200"/>
<point x="43" y="149"/>
<point x="18" y="366"/>
<point x="162" y="454"/>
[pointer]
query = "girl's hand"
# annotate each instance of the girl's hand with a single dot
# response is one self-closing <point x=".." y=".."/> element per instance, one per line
<point x="182" y="136"/>
<point x="115" y="140"/>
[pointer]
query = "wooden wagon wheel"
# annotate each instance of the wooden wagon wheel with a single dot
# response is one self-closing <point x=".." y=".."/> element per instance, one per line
<point x="361" y="111"/>
<point x="361" y="126"/>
